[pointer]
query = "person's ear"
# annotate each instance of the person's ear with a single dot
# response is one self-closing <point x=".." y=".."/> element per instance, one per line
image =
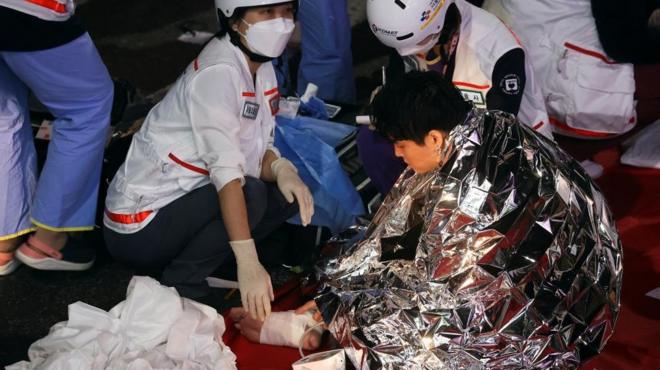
<point x="437" y="137"/>
<point x="233" y="25"/>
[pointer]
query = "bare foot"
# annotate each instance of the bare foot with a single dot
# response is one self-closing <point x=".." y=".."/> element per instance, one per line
<point x="251" y="329"/>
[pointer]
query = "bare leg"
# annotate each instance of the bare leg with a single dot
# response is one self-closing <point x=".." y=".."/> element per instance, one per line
<point x="55" y="239"/>
<point x="10" y="245"/>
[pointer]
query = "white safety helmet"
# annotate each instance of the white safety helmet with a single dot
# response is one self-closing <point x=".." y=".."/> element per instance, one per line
<point x="404" y="24"/>
<point x="227" y="7"/>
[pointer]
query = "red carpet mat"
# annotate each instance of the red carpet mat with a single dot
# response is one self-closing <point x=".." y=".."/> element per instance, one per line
<point x="634" y="197"/>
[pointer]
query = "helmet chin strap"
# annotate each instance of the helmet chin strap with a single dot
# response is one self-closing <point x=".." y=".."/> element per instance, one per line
<point x="235" y="39"/>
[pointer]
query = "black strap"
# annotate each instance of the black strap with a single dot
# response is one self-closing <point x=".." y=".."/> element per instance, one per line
<point x="23" y="32"/>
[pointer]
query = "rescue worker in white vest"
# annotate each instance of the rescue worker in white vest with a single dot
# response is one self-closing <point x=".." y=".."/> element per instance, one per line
<point x="202" y="177"/>
<point x="462" y="43"/>
<point x="44" y="49"/>
<point x="588" y="94"/>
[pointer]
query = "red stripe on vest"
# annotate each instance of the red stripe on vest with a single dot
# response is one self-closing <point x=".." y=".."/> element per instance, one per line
<point x="515" y="36"/>
<point x="465" y="84"/>
<point x="188" y="165"/>
<point x="538" y="125"/>
<point x="128" y="219"/>
<point x="50" y="4"/>
<point x="271" y="91"/>
<point x="580" y="132"/>
<point x="249" y="94"/>
<point x="196" y="64"/>
<point x="588" y="52"/>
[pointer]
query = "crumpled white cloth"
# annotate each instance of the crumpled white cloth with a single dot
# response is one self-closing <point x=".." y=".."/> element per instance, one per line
<point x="152" y="329"/>
<point x="644" y="148"/>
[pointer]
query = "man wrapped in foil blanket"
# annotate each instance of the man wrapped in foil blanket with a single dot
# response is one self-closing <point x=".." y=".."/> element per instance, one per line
<point x="494" y="250"/>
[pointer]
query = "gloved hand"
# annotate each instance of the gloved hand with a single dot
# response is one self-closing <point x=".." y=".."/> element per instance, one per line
<point x="292" y="186"/>
<point x="253" y="280"/>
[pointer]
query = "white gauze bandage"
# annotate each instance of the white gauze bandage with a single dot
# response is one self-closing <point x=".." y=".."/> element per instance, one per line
<point x="286" y="328"/>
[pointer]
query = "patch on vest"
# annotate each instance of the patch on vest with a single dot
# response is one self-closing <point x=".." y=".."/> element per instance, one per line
<point x="250" y="110"/>
<point x="274" y="103"/>
<point x="476" y="97"/>
<point x="510" y="84"/>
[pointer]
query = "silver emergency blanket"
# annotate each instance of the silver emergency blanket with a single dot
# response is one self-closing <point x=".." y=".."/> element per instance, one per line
<point x="507" y="257"/>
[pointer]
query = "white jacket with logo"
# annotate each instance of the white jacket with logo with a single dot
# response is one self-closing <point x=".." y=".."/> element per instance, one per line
<point x="587" y="95"/>
<point x="49" y="10"/>
<point x="213" y="126"/>
<point x="483" y="40"/>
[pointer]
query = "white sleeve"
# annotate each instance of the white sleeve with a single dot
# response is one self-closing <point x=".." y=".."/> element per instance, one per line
<point x="212" y="104"/>
<point x="270" y="144"/>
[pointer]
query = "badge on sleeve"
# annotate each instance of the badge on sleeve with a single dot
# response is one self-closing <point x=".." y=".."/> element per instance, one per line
<point x="274" y="103"/>
<point x="250" y="110"/>
<point x="510" y="85"/>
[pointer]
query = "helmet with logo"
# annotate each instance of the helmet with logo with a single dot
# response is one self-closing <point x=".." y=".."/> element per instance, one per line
<point x="406" y="24"/>
<point x="227" y="7"/>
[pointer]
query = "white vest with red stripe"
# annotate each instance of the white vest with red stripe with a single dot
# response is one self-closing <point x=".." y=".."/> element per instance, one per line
<point x="214" y="125"/>
<point x="483" y="40"/>
<point x="587" y="95"/>
<point x="49" y="10"/>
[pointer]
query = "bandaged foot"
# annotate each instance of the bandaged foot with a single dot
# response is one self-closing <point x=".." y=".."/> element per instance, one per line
<point x="280" y="328"/>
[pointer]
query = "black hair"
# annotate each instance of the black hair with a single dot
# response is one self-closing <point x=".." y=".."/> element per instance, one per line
<point x="410" y="107"/>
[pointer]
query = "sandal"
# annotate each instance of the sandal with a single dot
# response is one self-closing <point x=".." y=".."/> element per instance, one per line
<point x="39" y="255"/>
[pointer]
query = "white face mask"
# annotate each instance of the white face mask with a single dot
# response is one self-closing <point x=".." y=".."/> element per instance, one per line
<point x="269" y="38"/>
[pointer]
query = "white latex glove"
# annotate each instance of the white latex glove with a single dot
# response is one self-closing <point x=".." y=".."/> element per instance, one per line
<point x="253" y="280"/>
<point x="292" y="186"/>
